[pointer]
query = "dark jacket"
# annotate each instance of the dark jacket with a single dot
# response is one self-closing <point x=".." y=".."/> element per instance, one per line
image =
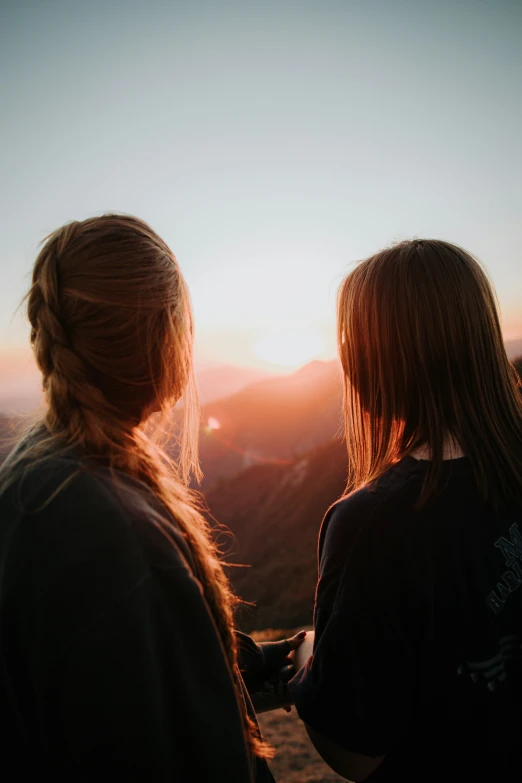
<point x="111" y="663"/>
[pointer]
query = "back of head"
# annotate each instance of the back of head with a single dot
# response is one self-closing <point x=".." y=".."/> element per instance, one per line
<point x="111" y="330"/>
<point x="424" y="362"/>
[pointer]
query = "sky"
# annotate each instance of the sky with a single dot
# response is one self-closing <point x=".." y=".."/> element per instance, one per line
<point x="272" y="145"/>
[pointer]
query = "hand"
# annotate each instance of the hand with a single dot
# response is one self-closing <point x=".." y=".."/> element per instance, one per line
<point x="288" y="662"/>
<point x="278" y="671"/>
<point x="294" y="642"/>
<point x="304" y="652"/>
<point x="289" y="670"/>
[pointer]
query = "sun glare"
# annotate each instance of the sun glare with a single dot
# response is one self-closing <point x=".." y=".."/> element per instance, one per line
<point x="211" y="425"/>
<point x="289" y="348"/>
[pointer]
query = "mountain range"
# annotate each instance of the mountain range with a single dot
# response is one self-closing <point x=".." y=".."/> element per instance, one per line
<point x="21" y="392"/>
<point x="274" y="512"/>
<point x="272" y="421"/>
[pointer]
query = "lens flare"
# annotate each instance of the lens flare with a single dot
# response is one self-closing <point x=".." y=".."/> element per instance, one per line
<point x="211" y="426"/>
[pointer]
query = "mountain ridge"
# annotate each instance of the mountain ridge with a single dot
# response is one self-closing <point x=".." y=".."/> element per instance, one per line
<point x="274" y="512"/>
<point x="273" y="420"/>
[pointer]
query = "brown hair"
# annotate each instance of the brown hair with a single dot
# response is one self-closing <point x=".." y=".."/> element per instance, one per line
<point x="421" y="348"/>
<point x="112" y="335"/>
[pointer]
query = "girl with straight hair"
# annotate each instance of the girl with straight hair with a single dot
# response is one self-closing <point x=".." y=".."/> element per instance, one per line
<point x="118" y="655"/>
<point x="416" y="673"/>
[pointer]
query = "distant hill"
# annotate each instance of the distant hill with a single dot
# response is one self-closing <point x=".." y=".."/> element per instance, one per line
<point x="21" y="387"/>
<point x="513" y="348"/>
<point x="223" y="380"/>
<point x="272" y="421"/>
<point x="275" y="512"/>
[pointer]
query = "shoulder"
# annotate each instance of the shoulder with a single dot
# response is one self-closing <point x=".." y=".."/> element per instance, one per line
<point x="58" y="488"/>
<point x="78" y="549"/>
<point x="66" y="517"/>
<point x="361" y="514"/>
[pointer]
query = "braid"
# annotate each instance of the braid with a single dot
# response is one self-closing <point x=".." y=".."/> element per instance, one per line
<point x="75" y="404"/>
<point x="43" y="307"/>
<point x="46" y="281"/>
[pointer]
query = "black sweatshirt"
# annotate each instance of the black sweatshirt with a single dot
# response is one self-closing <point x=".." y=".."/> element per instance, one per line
<point x="418" y="630"/>
<point x="111" y="664"/>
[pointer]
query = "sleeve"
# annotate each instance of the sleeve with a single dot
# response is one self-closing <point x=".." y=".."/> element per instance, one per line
<point x="146" y="693"/>
<point x="358" y="688"/>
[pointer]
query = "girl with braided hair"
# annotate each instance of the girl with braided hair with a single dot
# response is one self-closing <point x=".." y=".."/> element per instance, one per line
<point x="117" y="646"/>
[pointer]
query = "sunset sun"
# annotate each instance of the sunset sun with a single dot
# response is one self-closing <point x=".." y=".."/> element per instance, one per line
<point x="289" y="348"/>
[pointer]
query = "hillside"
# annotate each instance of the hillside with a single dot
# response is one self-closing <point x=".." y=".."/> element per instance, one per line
<point x="275" y="512"/>
<point x="296" y="759"/>
<point x="272" y="421"/>
<point x="224" y="380"/>
<point x="514" y="348"/>
<point x="20" y="391"/>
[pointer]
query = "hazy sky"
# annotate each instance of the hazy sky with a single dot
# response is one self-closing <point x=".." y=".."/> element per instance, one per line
<point x="272" y="144"/>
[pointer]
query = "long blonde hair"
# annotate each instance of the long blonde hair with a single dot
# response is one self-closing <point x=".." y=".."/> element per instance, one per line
<point x="112" y="332"/>
<point x="421" y="348"/>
